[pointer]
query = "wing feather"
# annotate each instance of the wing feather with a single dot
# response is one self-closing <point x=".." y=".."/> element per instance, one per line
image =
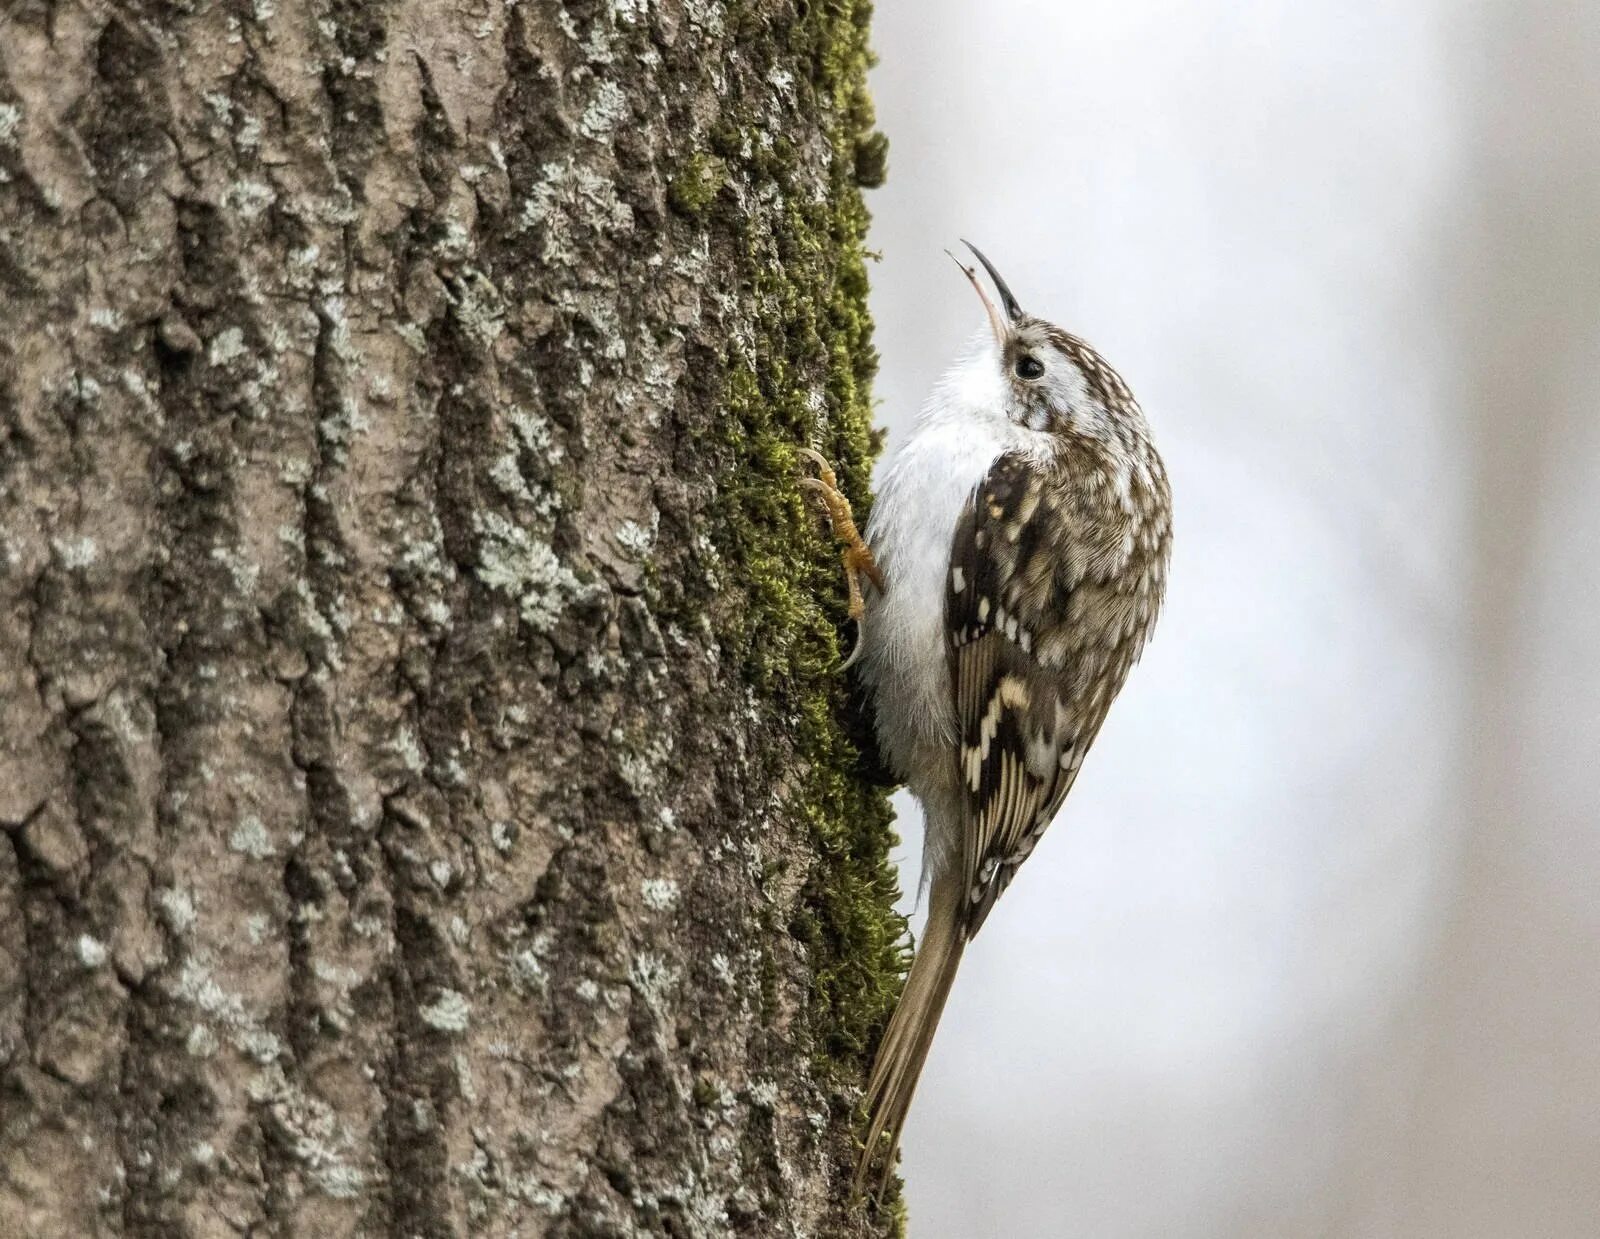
<point x="1015" y="720"/>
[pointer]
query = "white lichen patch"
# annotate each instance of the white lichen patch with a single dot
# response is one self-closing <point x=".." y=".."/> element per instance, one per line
<point x="241" y="571"/>
<point x="317" y="1138"/>
<point x="528" y="971"/>
<point x="641" y="768"/>
<point x="333" y="309"/>
<point x="294" y="471"/>
<point x="597" y="49"/>
<point x="512" y="560"/>
<point x="250" y="838"/>
<point x="88" y="388"/>
<point x="531" y="1190"/>
<point x="412" y="336"/>
<point x="653" y="979"/>
<point x="339" y="427"/>
<point x="409" y="749"/>
<point x="437" y="612"/>
<point x="225" y="346"/>
<point x="134" y="384"/>
<point x="10" y="118"/>
<point x="605" y="112"/>
<point x="660" y="380"/>
<point x="456" y="242"/>
<point x="91" y="951"/>
<point x="369" y="926"/>
<point x="507" y="477"/>
<point x="201" y="1042"/>
<point x="178" y="907"/>
<point x="639" y="539"/>
<point x="607" y="322"/>
<point x="533" y="428"/>
<point x="317" y="623"/>
<point x="661" y="894"/>
<point x="479" y="307"/>
<point x="196" y="985"/>
<point x="571" y="198"/>
<point x="76" y="552"/>
<point x="706" y="15"/>
<point x="249" y="199"/>
<point x="701" y="1204"/>
<point x="340" y="978"/>
<point x="449" y="1012"/>
<point x="464" y="1078"/>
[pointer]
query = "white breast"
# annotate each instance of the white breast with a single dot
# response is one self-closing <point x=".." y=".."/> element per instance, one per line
<point x="923" y="489"/>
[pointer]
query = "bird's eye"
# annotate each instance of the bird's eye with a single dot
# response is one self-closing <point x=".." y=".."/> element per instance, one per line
<point x="1027" y="367"/>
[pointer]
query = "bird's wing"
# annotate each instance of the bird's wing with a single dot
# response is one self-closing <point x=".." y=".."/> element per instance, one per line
<point x="1020" y="744"/>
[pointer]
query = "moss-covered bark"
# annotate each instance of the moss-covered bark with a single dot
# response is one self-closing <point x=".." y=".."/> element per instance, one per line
<point x="431" y="807"/>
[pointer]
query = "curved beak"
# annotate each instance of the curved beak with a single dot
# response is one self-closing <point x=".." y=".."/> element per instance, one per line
<point x="1013" y="310"/>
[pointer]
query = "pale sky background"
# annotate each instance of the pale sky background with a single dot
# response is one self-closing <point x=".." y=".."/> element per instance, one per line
<point x="1314" y="948"/>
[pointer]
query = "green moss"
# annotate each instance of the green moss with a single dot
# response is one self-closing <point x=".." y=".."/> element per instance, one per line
<point x="872" y="160"/>
<point x="697" y="183"/>
<point x="812" y="333"/>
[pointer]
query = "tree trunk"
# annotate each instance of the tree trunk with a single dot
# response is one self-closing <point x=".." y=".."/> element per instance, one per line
<point x="431" y="807"/>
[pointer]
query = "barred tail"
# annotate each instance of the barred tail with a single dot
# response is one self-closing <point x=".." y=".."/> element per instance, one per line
<point x="910" y="1033"/>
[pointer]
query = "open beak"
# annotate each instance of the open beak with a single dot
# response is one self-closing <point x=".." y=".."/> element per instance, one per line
<point x="1013" y="310"/>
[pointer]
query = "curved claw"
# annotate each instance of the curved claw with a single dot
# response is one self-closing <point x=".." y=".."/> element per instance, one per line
<point x="824" y="469"/>
<point x="857" y="556"/>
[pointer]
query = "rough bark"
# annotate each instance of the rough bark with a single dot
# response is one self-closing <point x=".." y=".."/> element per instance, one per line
<point x="429" y="806"/>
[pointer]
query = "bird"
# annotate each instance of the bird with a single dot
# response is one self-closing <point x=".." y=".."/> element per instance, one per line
<point x="1012" y="569"/>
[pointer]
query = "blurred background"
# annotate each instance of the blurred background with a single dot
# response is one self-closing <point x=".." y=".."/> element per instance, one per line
<point x="1314" y="947"/>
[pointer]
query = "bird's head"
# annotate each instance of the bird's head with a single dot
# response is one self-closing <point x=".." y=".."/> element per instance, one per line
<point x="1050" y="380"/>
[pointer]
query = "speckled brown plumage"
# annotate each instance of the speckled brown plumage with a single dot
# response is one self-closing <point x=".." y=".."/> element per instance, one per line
<point x="1056" y="577"/>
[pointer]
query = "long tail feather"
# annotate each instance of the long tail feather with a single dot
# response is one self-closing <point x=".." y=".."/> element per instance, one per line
<point x="910" y="1033"/>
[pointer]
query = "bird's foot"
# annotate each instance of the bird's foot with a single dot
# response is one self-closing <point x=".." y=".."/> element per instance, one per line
<point x="857" y="555"/>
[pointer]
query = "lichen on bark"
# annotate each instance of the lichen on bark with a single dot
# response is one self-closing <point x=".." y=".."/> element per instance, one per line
<point x="431" y="803"/>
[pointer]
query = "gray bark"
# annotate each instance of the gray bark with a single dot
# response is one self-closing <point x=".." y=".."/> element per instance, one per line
<point x="429" y="806"/>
